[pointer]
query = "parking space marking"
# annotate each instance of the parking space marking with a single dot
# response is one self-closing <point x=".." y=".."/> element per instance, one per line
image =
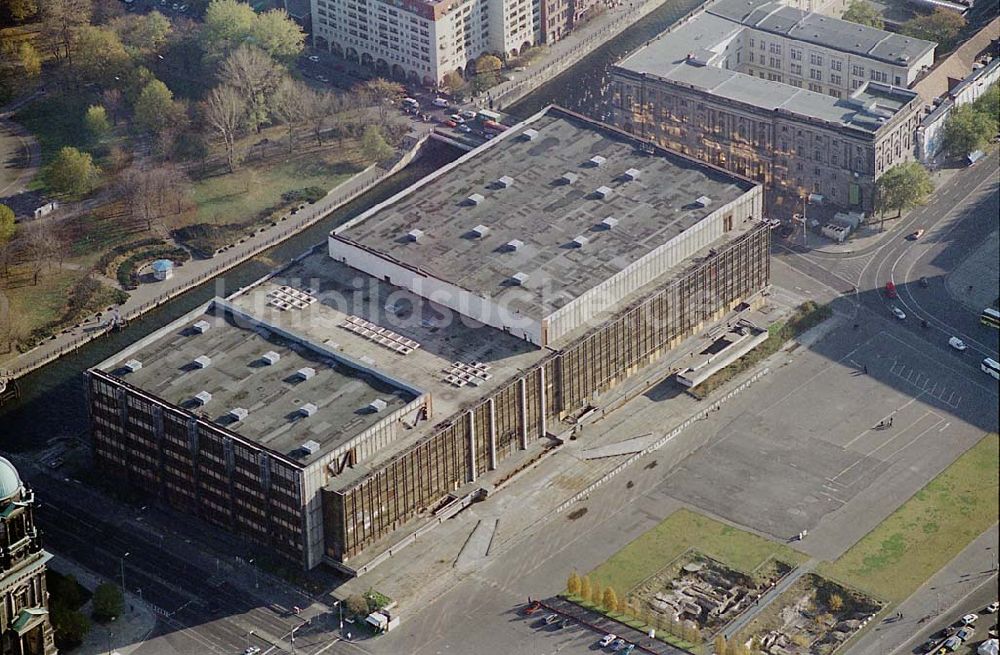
<point x="924" y="382"/>
<point x="912" y="441"/>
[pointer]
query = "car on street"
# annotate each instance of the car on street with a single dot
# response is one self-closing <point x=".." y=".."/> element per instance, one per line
<point x="606" y="640"/>
<point x="992" y="607"/>
<point x="440" y="102"/>
<point x="313" y="58"/>
<point x="899" y="313"/>
<point x="916" y="235"/>
<point x="251" y="650"/>
<point x="55" y="463"/>
<point x="957" y="344"/>
<point x="969" y="619"/>
<point x="551" y="618"/>
<point x="532" y="607"/>
<point x="924" y="283"/>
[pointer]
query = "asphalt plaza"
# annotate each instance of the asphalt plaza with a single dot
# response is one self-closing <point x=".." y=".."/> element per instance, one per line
<point x="817" y="437"/>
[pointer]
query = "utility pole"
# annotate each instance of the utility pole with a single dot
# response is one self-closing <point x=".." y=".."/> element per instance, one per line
<point x="804" y="224"/>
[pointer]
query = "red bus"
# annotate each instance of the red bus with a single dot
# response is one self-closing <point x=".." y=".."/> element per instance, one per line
<point x="890" y="289"/>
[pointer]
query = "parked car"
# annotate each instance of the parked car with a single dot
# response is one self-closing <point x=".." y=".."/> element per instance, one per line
<point x="899" y="313"/>
<point x="924" y="283"/>
<point x="551" y="618"/>
<point x="440" y="102"/>
<point x="969" y="619"/>
<point x="628" y="649"/>
<point x="467" y="114"/>
<point x="606" y="640"/>
<point x="957" y="344"/>
<point x="992" y="607"/>
<point x="314" y="58"/>
<point x="251" y="650"/>
<point x="947" y="632"/>
<point x="565" y="623"/>
<point x="463" y="128"/>
<point x="450" y="123"/>
<point x="457" y="118"/>
<point x="55" y="463"/>
<point x="929" y="645"/>
<point x="618" y="644"/>
<point x="966" y="633"/>
<point x="532" y="607"/>
<point x="950" y="644"/>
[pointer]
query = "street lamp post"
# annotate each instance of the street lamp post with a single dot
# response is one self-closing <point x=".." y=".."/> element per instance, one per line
<point x="123" y="575"/>
<point x="254" y="567"/>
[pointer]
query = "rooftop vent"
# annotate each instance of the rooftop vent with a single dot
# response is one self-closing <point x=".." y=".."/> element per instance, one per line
<point x="308" y="409"/>
<point x="270" y="358"/>
<point x="609" y="222"/>
<point x="238" y="413"/>
<point x="631" y="174"/>
<point x="377" y="405"/>
<point x="310" y="447"/>
<point x="514" y="244"/>
<point x="602" y="192"/>
<point x="597" y="160"/>
<point x="133" y="365"/>
<point x="529" y="134"/>
<point x="480" y="231"/>
<point x="202" y="397"/>
<point x="519" y="278"/>
<point x="703" y="201"/>
<point x="202" y="361"/>
<point x="580" y="241"/>
<point x="569" y="178"/>
<point x="306" y="373"/>
<point x="475" y="199"/>
<point x="201" y="327"/>
<point x="505" y="181"/>
<point x="414" y="235"/>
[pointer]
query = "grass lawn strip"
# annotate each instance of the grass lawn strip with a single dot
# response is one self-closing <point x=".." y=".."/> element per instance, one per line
<point x="928" y="530"/>
<point x="679" y="532"/>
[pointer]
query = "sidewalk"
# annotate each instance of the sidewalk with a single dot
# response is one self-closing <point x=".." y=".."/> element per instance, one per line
<point x="124" y="634"/>
<point x="197" y="271"/>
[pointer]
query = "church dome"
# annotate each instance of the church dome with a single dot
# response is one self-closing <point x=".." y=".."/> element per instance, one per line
<point x="10" y="481"/>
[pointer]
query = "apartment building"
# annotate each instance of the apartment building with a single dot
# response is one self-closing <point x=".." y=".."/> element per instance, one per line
<point x="421" y="41"/>
<point x="805" y="104"/>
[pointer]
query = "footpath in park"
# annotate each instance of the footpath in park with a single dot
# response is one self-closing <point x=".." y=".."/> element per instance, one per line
<point x="196" y="271"/>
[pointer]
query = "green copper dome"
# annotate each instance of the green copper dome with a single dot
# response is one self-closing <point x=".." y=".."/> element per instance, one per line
<point x="10" y="481"/>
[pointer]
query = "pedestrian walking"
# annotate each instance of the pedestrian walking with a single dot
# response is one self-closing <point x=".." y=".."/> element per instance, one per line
<point x="866" y="369"/>
<point x="890" y="421"/>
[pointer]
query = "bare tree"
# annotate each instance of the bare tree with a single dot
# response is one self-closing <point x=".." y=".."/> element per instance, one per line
<point x="152" y="194"/>
<point x="256" y="76"/>
<point x="41" y="245"/>
<point x="291" y="106"/>
<point x="225" y="111"/>
<point x="60" y="21"/>
<point x="382" y="94"/>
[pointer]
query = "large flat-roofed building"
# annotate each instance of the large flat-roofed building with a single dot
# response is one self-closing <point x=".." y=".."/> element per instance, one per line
<point x="804" y="103"/>
<point x="561" y="223"/>
<point x="434" y="390"/>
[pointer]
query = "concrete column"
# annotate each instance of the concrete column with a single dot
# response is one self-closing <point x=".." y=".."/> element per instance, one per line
<point x="522" y="412"/>
<point x="493" y="434"/>
<point x="472" y="446"/>
<point x="543" y="405"/>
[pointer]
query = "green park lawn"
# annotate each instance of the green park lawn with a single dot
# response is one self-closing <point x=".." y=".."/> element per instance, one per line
<point x="928" y="530"/>
<point x="679" y="532"/>
<point x="242" y="196"/>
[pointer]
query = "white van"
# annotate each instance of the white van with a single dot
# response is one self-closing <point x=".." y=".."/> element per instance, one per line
<point x="991" y="367"/>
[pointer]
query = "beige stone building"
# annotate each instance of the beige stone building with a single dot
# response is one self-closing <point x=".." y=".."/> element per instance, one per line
<point x="806" y="104"/>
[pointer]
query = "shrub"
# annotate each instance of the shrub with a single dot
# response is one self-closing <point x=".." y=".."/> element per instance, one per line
<point x="108" y="602"/>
